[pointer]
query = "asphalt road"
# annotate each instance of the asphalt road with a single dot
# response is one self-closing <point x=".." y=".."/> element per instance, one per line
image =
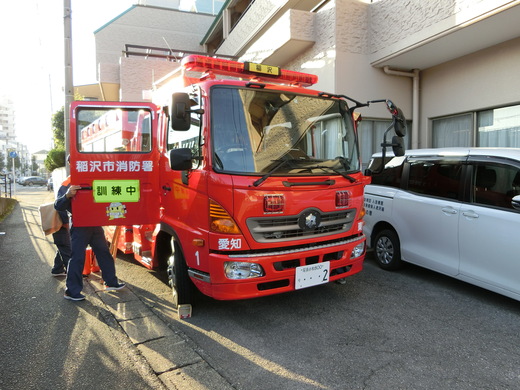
<point x="412" y="329"/>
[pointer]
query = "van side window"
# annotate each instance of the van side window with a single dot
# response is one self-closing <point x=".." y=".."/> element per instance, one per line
<point x="435" y="178"/>
<point x="391" y="175"/>
<point x="495" y="184"/>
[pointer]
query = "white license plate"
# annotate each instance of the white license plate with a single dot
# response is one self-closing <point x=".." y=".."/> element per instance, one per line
<point x="312" y="275"/>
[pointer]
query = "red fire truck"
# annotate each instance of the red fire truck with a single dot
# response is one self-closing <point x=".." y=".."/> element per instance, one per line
<point x="246" y="184"/>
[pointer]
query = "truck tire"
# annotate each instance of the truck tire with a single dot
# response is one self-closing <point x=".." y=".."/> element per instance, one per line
<point x="183" y="289"/>
<point x="387" y="250"/>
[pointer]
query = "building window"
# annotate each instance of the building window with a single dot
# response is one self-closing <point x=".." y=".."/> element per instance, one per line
<point x="452" y="131"/>
<point x="371" y="136"/>
<point x="499" y="127"/>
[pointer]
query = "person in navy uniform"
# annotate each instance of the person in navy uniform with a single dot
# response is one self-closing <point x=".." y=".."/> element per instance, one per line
<point x="81" y="236"/>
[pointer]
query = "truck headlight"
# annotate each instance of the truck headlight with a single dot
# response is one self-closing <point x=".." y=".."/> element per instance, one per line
<point x="242" y="270"/>
<point x="358" y="250"/>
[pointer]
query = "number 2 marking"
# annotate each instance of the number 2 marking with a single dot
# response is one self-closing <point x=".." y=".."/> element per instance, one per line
<point x="325" y="274"/>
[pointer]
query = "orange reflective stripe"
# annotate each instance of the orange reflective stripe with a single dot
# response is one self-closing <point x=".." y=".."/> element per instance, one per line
<point x="66" y="182"/>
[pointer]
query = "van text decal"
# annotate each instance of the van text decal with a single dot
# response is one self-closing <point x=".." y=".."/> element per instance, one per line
<point x="374" y="204"/>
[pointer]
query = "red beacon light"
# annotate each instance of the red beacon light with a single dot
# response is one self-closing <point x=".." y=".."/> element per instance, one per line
<point x="250" y="70"/>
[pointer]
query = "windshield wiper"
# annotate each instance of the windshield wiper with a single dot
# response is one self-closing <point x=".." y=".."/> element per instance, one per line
<point x="280" y="164"/>
<point x="348" y="177"/>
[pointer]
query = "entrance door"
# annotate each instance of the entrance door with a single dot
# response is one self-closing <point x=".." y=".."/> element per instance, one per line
<point x="114" y="157"/>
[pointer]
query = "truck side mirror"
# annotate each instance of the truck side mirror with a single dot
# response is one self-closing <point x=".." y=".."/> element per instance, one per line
<point x="400" y="123"/>
<point x="180" y="112"/>
<point x="180" y="159"/>
<point x="398" y="146"/>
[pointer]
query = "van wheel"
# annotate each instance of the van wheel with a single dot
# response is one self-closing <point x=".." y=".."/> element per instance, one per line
<point x="183" y="289"/>
<point x="388" y="250"/>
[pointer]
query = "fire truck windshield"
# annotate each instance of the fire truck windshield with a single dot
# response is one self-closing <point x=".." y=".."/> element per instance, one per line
<point x="253" y="130"/>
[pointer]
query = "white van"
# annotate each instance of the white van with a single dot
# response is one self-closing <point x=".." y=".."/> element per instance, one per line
<point x="453" y="210"/>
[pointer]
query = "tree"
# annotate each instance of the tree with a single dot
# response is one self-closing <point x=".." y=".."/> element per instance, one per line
<point x="56" y="156"/>
<point x="2" y="161"/>
<point x="55" y="159"/>
<point x="58" y="129"/>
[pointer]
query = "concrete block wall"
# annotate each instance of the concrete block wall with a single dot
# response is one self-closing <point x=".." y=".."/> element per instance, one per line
<point x="397" y="24"/>
<point x="340" y="58"/>
<point x="286" y="38"/>
<point x="257" y="16"/>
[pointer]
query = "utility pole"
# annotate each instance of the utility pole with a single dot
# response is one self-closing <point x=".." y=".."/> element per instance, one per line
<point x="69" y="87"/>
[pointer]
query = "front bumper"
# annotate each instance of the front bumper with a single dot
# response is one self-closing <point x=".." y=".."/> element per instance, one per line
<point x="280" y="269"/>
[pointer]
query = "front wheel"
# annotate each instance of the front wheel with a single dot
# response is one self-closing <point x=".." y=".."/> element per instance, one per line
<point x="183" y="289"/>
<point x="388" y="250"/>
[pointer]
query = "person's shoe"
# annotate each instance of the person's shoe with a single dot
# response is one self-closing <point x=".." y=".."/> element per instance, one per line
<point x="116" y="287"/>
<point x="58" y="273"/>
<point x="78" y="297"/>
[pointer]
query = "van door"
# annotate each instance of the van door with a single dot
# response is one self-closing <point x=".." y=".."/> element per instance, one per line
<point x="489" y="244"/>
<point x="114" y="157"/>
<point x="430" y="208"/>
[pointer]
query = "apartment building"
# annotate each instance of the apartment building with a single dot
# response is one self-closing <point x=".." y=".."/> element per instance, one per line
<point x="7" y="129"/>
<point x="451" y="65"/>
<point x="142" y="45"/>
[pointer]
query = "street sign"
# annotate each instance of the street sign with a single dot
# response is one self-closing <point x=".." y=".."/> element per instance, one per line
<point x="13" y="154"/>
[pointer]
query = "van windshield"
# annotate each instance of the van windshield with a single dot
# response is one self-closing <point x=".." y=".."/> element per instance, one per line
<point x="256" y="131"/>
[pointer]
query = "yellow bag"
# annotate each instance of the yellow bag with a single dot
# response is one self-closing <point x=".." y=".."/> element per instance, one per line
<point x="50" y="219"/>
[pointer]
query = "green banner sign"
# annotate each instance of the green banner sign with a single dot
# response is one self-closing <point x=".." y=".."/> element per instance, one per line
<point x="108" y="191"/>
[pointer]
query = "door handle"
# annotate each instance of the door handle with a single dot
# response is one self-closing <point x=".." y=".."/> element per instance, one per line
<point x="449" y="210"/>
<point x="166" y="188"/>
<point x="470" y="214"/>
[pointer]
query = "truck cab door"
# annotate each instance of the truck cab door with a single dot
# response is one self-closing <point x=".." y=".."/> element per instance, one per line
<point x="115" y="159"/>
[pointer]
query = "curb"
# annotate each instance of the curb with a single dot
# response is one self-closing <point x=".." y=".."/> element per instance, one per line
<point x="163" y="356"/>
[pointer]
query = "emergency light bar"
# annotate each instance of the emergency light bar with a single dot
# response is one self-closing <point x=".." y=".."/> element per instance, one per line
<point x="250" y="70"/>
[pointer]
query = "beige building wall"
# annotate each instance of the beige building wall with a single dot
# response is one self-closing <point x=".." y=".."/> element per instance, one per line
<point x="138" y="76"/>
<point x="479" y="81"/>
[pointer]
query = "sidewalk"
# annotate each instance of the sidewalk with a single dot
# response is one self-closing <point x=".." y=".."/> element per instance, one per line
<point x="112" y="339"/>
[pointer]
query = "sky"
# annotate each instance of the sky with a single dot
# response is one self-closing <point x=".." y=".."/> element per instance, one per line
<point x="32" y="61"/>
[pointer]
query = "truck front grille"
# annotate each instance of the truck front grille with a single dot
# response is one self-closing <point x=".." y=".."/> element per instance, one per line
<point x="289" y="228"/>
